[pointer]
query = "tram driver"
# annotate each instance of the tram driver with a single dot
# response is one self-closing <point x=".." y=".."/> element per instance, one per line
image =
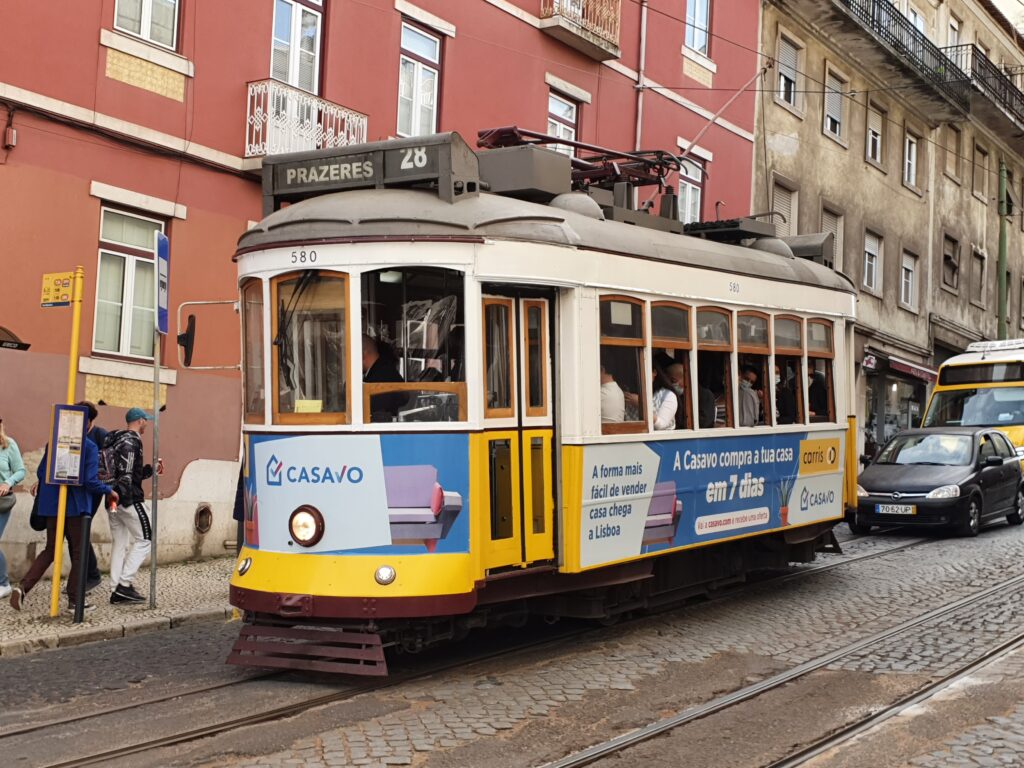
<point x="379" y="366"/>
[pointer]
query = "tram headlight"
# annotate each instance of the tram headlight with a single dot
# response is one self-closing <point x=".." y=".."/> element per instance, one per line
<point x="244" y="566"/>
<point x="306" y="525"/>
<point x="385" y="575"/>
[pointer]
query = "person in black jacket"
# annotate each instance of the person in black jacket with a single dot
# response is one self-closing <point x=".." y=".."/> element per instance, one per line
<point x="129" y="522"/>
<point x="378" y="368"/>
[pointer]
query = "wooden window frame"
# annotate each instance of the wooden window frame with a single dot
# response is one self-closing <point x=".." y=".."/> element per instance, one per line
<point x="247" y="416"/>
<point x="342" y="417"/>
<point x="383" y="388"/>
<point x="509" y="304"/>
<point x="766" y="351"/>
<point x="822" y="355"/>
<point x="797" y="352"/>
<point x="542" y="410"/>
<point x="628" y="427"/>
<point x="730" y="348"/>
<point x="669" y="342"/>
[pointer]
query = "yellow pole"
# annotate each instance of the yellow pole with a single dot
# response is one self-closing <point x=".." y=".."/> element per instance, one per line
<point x="62" y="501"/>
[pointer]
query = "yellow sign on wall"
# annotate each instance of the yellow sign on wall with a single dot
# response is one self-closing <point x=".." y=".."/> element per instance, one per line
<point x="57" y="289"/>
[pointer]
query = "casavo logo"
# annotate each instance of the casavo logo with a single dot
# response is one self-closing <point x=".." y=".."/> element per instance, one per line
<point x="279" y="474"/>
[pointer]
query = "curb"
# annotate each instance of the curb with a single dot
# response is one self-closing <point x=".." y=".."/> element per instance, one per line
<point x="79" y="635"/>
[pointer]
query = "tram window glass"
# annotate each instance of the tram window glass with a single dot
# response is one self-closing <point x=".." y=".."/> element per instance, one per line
<point x="670" y="331"/>
<point x="788" y="374"/>
<point x="715" y="376"/>
<point x="820" y="389"/>
<point x="413" y="345"/>
<point x="752" y="344"/>
<point x="310" y="347"/>
<point x="623" y="383"/>
<point x="536" y="357"/>
<point x="252" y="331"/>
<point x="498" y="358"/>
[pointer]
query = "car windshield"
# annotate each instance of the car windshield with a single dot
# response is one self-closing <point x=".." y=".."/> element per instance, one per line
<point x="987" y="407"/>
<point x="946" y="450"/>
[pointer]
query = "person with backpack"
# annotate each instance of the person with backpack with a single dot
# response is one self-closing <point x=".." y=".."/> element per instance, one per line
<point x="129" y="522"/>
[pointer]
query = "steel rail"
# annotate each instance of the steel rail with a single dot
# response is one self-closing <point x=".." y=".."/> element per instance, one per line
<point x="848" y="732"/>
<point x="623" y="741"/>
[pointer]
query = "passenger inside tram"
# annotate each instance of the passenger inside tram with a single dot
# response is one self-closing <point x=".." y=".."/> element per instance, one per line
<point x="382" y="368"/>
<point x="664" y="403"/>
<point x="788" y="396"/>
<point x="613" y="405"/>
<point x="675" y="374"/>
<point x="748" y="399"/>
<point x="712" y="368"/>
<point x="785" y="400"/>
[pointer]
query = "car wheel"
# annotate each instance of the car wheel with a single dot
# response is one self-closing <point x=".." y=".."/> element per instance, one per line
<point x="972" y="521"/>
<point x="1017" y="516"/>
<point x="859" y="528"/>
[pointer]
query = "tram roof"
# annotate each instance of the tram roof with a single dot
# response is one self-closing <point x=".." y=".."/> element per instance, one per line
<point x="397" y="214"/>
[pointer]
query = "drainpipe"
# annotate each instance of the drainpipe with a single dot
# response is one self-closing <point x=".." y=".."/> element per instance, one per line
<point x="1002" y="249"/>
<point x="640" y="74"/>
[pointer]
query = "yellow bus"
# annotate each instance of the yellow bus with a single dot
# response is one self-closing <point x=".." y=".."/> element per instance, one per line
<point x="982" y="387"/>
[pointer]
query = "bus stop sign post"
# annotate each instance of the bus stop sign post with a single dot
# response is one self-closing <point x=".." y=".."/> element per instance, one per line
<point x="163" y="274"/>
<point x="62" y="289"/>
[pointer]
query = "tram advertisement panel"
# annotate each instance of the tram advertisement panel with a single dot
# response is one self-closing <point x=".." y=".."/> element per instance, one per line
<point x="646" y="497"/>
<point x="398" y="494"/>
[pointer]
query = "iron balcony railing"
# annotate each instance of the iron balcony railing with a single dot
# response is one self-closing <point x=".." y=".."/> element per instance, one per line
<point x="989" y="79"/>
<point x="280" y="118"/>
<point x="892" y="28"/>
<point x="599" y="17"/>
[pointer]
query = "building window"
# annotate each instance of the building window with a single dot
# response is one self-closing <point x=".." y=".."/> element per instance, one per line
<point x="910" y="145"/>
<point x="834" y="88"/>
<point x="698" y="13"/>
<point x="419" y="73"/>
<point x="789" y="54"/>
<point x="563" y="120"/>
<point x="950" y="262"/>
<point x="1010" y="210"/>
<point x="875" y="132"/>
<point x="295" y="58"/>
<point x="832" y="223"/>
<point x="953" y="33"/>
<point x="908" y="281"/>
<point x="978" y="278"/>
<point x="152" y="20"/>
<point x="126" y="286"/>
<point x="952" y="146"/>
<point x="784" y="203"/>
<point x="916" y="19"/>
<point x="691" y="185"/>
<point x="872" y="261"/>
<point x="981" y="173"/>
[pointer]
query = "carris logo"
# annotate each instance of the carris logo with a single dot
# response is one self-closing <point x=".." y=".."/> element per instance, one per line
<point x="274" y="467"/>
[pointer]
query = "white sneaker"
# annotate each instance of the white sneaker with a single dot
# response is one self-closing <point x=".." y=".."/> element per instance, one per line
<point x="5" y="591"/>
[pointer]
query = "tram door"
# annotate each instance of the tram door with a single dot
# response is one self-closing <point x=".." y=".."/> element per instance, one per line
<point x="515" y="453"/>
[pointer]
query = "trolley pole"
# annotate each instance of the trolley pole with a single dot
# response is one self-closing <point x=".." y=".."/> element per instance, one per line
<point x="1002" y="250"/>
<point x="62" y="498"/>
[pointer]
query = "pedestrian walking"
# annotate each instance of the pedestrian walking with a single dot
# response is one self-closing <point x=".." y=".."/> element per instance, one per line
<point x="12" y="472"/>
<point x="79" y="503"/>
<point x="130" y="527"/>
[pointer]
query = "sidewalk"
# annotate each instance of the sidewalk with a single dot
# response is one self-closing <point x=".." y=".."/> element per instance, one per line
<point x="193" y="591"/>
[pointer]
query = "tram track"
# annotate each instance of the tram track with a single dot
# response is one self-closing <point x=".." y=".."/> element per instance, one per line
<point x="746" y="694"/>
<point x="356" y="689"/>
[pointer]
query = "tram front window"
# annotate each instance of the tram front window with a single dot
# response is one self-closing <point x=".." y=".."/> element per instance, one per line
<point x="309" y="342"/>
<point x="988" y="407"/>
<point x="413" y="349"/>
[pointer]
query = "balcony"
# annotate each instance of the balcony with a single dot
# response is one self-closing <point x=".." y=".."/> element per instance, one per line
<point x="589" y="26"/>
<point x="280" y="119"/>
<point x="875" y="34"/>
<point x="995" y="100"/>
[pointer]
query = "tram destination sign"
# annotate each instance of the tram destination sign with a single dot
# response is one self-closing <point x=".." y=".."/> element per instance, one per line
<point x="445" y="159"/>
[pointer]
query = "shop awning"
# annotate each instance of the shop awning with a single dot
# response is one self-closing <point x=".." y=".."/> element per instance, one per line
<point x="913" y="369"/>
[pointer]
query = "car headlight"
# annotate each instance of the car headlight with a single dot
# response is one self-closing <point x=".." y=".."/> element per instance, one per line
<point x="944" y="492"/>
<point x="306" y="525"/>
<point x="861" y="492"/>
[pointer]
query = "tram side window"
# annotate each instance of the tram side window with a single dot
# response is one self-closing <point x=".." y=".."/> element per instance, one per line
<point x="820" y="390"/>
<point x="498" y="346"/>
<point x="715" y="376"/>
<point x="670" y="333"/>
<point x="623" y="400"/>
<point x="309" y="346"/>
<point x="788" y="370"/>
<point x="252" y="331"/>
<point x="413" y="345"/>
<point x="752" y="342"/>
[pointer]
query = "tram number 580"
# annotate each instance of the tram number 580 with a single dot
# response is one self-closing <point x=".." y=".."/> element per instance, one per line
<point x="734" y="287"/>
<point x="303" y="257"/>
<point x="414" y="157"/>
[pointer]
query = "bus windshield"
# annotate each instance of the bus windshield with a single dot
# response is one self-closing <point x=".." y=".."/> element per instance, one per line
<point x="989" y="407"/>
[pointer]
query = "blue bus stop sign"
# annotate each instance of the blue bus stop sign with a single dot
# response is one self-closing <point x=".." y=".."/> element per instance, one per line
<point x="163" y="274"/>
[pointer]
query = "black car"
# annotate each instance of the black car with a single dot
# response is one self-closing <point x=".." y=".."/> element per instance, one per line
<point x="958" y="477"/>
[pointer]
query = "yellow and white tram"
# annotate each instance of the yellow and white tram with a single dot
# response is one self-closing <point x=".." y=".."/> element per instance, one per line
<point x="455" y="378"/>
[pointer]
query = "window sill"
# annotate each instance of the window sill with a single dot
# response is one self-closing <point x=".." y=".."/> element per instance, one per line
<point x="980" y="198"/>
<point x="908" y="308"/>
<point x="913" y="188"/>
<point x="949" y="289"/>
<point x="791" y="108"/>
<point x="873" y="292"/>
<point x="955" y="179"/>
<point x="977" y="304"/>
<point x="699" y="58"/>
<point x="876" y="165"/>
<point x="842" y="142"/>
<point x="154" y="54"/>
<point x="120" y="368"/>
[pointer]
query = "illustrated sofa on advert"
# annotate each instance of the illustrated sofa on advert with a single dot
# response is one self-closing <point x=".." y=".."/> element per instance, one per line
<point x="419" y="509"/>
<point x="663" y="515"/>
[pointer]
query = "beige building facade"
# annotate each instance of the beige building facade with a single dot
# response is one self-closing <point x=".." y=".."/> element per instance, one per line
<point x="885" y="123"/>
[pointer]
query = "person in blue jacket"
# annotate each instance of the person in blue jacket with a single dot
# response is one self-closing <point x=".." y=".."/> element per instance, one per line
<point x="79" y="503"/>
